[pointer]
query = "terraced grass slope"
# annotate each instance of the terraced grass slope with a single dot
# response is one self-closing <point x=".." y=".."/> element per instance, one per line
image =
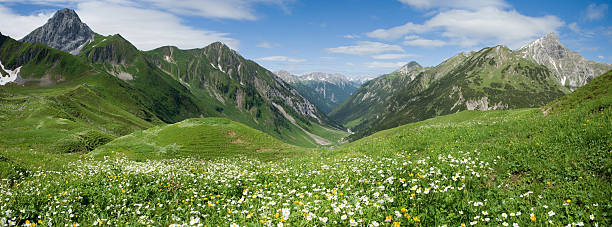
<point x="502" y="167"/>
<point x="201" y="138"/>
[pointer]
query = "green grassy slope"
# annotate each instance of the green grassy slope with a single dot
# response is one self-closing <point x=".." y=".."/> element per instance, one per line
<point x="168" y="99"/>
<point x="201" y="138"/>
<point x="491" y="168"/>
<point x="41" y="65"/>
<point x="239" y="89"/>
<point x="492" y="78"/>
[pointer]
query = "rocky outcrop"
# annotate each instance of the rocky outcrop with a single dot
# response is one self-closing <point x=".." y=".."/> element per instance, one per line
<point x="64" y="31"/>
<point x="411" y="69"/>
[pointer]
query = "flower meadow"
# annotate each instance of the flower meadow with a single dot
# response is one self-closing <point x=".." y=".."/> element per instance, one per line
<point x="405" y="188"/>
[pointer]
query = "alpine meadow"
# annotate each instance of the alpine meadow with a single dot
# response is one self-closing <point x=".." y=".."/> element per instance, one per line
<point x="305" y="113"/>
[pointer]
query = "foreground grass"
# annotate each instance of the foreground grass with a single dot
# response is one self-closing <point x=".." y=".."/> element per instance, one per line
<point x="496" y="168"/>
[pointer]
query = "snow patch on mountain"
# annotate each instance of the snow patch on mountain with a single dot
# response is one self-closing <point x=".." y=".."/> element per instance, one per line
<point x="12" y="75"/>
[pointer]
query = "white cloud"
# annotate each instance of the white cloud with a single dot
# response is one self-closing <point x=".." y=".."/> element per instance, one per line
<point x="267" y="45"/>
<point x="595" y="12"/>
<point x="349" y="64"/>
<point x="17" y="26"/>
<point x="601" y="57"/>
<point x="393" y="56"/>
<point x="421" y="42"/>
<point x="454" y="4"/>
<point x="467" y="28"/>
<point x="226" y="9"/>
<point x="377" y="64"/>
<point x="282" y="59"/>
<point x="366" y="48"/>
<point x="351" y="36"/>
<point x="470" y="28"/>
<point x="397" y="32"/>
<point x="147" y="28"/>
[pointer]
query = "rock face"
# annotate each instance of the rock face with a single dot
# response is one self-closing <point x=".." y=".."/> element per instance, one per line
<point x="570" y="68"/>
<point x="411" y="68"/>
<point x="64" y="31"/>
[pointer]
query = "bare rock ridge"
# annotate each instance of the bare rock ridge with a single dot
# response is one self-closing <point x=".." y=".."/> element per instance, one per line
<point x="410" y="67"/>
<point x="571" y="69"/>
<point x="64" y="31"/>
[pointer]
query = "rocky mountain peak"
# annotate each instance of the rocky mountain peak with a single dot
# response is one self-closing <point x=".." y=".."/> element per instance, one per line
<point x="570" y="68"/>
<point x="64" y="31"/>
<point x="327" y="77"/>
<point x="410" y="67"/>
<point x="286" y="76"/>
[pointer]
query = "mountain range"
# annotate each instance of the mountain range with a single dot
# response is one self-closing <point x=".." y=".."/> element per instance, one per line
<point x="164" y="85"/>
<point x="69" y="72"/>
<point x="489" y="79"/>
<point x="325" y="90"/>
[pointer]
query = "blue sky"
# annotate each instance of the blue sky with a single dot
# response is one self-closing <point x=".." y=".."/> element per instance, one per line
<point x="353" y="37"/>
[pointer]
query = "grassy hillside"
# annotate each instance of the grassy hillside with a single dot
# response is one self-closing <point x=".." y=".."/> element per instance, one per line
<point x="167" y="98"/>
<point x="41" y="65"/>
<point x="490" y="79"/>
<point x="201" y="138"/>
<point x="516" y="167"/>
<point x="227" y="85"/>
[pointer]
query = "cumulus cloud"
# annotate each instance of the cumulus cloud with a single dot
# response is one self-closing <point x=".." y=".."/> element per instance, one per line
<point x="397" y="32"/>
<point x="147" y="28"/>
<point x="488" y="25"/>
<point x="464" y="4"/>
<point x="17" y="26"/>
<point x="281" y="59"/>
<point x="366" y="48"/>
<point x="393" y="56"/>
<point x="377" y="64"/>
<point x="422" y="42"/>
<point x="596" y="12"/>
<point x="505" y="27"/>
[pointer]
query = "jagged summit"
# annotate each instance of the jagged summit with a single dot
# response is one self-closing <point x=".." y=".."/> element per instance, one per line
<point x="64" y="31"/>
<point x="570" y="68"/>
<point x="286" y="76"/>
<point x="410" y="67"/>
<point x="335" y="78"/>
